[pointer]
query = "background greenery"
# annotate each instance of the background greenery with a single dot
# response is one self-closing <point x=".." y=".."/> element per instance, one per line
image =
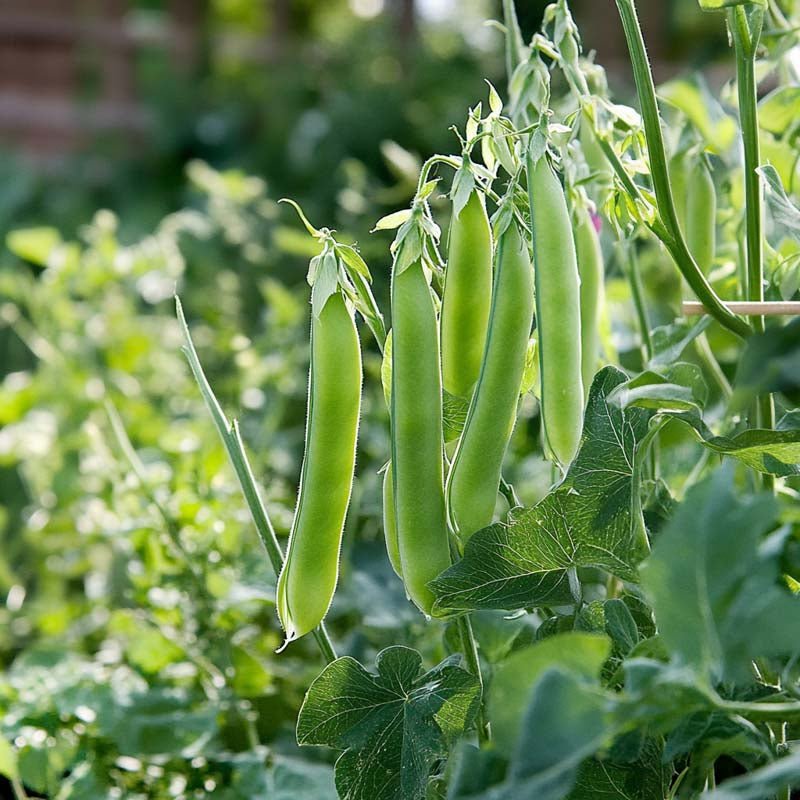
<point x="138" y="632"/>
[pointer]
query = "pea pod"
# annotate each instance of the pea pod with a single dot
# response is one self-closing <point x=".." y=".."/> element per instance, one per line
<point x="467" y="296"/>
<point x="416" y="420"/>
<point x="308" y="579"/>
<point x="475" y="472"/>
<point x="558" y="305"/>
<point x="592" y="275"/>
<point x="390" y="523"/>
<point x="701" y="215"/>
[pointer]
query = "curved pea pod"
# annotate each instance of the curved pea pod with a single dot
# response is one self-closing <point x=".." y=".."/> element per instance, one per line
<point x="467" y="297"/>
<point x="474" y="475"/>
<point x="592" y="275"/>
<point x="558" y="319"/>
<point x="390" y="523"/>
<point x="701" y="215"/>
<point x="308" y="579"/>
<point x="417" y="444"/>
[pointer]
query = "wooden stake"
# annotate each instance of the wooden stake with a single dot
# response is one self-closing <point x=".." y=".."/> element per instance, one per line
<point x="751" y="309"/>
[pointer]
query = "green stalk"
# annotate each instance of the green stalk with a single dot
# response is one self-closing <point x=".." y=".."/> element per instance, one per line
<point x="231" y="438"/>
<point x="470" y="650"/>
<point x="746" y="32"/>
<point x="637" y="294"/>
<point x="667" y="227"/>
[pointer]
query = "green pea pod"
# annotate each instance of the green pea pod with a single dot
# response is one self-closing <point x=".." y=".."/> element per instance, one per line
<point x="678" y="178"/>
<point x="416" y="420"/>
<point x="475" y="472"/>
<point x="592" y="275"/>
<point x="558" y="304"/>
<point x="390" y="523"/>
<point x="701" y="215"/>
<point x="308" y="579"/>
<point x="467" y="296"/>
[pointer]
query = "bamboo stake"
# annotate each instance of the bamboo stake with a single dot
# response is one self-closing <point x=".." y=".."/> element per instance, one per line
<point x="748" y="309"/>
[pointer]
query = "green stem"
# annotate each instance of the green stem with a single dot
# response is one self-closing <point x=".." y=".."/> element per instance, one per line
<point x="746" y="32"/>
<point x="637" y="294"/>
<point x="667" y="227"/>
<point x="18" y="789"/>
<point x="470" y="650"/>
<point x="707" y="357"/>
<point x="232" y="440"/>
<point x="510" y="493"/>
<point x="762" y="712"/>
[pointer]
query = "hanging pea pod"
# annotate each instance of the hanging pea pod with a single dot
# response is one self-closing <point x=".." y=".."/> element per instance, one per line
<point x="307" y="582"/>
<point x="701" y="214"/>
<point x="390" y="522"/>
<point x="475" y="472"/>
<point x="557" y="311"/>
<point x="467" y="296"/>
<point x="592" y="277"/>
<point x="310" y="573"/>
<point x="417" y="439"/>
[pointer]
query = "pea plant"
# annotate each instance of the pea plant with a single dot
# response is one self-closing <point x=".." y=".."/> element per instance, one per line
<point x="632" y="630"/>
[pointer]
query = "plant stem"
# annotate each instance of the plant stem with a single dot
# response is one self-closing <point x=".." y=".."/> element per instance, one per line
<point x="470" y="649"/>
<point x="637" y="295"/>
<point x="667" y="227"/>
<point x="762" y="712"/>
<point x="746" y="32"/>
<point x="232" y="440"/>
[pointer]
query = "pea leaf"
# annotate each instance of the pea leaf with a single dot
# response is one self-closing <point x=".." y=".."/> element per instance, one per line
<point x="391" y="726"/>
<point x="583" y="653"/>
<point x="585" y="521"/>
<point x="761" y="783"/>
<point x="33" y="244"/>
<point x="8" y="760"/>
<point x="646" y="778"/>
<point x="779" y="110"/>
<point x="770" y="363"/>
<point x="784" y="212"/>
<point x="730" y="592"/>
<point x="567" y="721"/>
<point x="773" y="452"/>
<point x="669" y="341"/>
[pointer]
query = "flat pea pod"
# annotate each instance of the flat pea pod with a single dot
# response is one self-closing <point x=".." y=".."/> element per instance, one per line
<point x="474" y="475"/>
<point x="308" y="579"/>
<point x="592" y="274"/>
<point x="467" y="297"/>
<point x="417" y="444"/>
<point x="390" y="523"/>
<point x="701" y="215"/>
<point x="558" y="304"/>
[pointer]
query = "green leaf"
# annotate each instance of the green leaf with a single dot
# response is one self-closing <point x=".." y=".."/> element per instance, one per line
<point x="784" y="212"/>
<point x="780" y="109"/>
<point x="567" y="721"/>
<point x="33" y="244"/>
<point x="392" y="726"/>
<point x="646" y="778"/>
<point x="393" y="221"/>
<point x="703" y="110"/>
<point x="325" y="283"/>
<point x="669" y="341"/>
<point x="352" y="258"/>
<point x="680" y="388"/>
<point x="586" y="521"/>
<point x="761" y="783"/>
<point x="8" y="760"/>
<point x="714" y="589"/>
<point x="773" y="452"/>
<point x="770" y="363"/>
<point x="463" y="186"/>
<point x="582" y="653"/>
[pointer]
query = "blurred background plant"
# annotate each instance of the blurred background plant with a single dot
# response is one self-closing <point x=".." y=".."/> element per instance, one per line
<point x="138" y="629"/>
